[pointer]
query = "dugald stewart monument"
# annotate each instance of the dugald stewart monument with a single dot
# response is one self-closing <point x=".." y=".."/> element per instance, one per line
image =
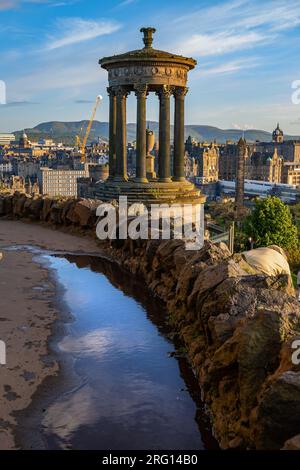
<point x="141" y="72"/>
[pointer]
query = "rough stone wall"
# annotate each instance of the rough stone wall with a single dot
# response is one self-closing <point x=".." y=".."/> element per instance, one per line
<point x="236" y="323"/>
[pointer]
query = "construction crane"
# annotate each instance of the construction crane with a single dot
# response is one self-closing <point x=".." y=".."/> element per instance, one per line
<point x="82" y="145"/>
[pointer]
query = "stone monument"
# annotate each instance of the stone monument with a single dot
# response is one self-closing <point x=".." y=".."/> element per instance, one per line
<point x="145" y="71"/>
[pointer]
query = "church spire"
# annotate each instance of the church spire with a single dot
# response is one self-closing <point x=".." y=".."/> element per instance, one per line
<point x="277" y="135"/>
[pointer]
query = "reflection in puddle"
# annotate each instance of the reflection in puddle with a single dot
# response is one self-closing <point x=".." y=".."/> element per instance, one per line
<point x="90" y="344"/>
<point x="66" y="416"/>
<point x="123" y="390"/>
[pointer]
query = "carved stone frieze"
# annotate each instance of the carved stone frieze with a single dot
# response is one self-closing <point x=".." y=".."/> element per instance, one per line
<point x="152" y="74"/>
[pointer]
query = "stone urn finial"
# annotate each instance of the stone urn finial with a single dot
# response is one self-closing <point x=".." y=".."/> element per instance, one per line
<point x="148" y="36"/>
<point x="150" y="140"/>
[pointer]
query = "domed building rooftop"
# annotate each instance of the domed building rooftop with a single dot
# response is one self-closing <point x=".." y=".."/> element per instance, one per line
<point x="147" y="54"/>
<point x="147" y="66"/>
<point x="144" y="71"/>
<point x="242" y="142"/>
<point x="277" y="134"/>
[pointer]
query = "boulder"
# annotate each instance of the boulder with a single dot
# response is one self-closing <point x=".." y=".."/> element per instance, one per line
<point x="55" y="214"/>
<point x="85" y="212"/>
<point x="277" y="417"/>
<point x="71" y="215"/>
<point x="268" y="260"/>
<point x="293" y="443"/>
<point x="45" y="213"/>
<point x="165" y="254"/>
<point x="4" y="208"/>
<point x="8" y="205"/>
<point x="210" y="277"/>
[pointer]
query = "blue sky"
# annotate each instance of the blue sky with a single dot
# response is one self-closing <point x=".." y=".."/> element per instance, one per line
<point x="247" y="51"/>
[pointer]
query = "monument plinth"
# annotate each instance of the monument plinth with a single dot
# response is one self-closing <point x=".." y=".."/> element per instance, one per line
<point x="145" y="71"/>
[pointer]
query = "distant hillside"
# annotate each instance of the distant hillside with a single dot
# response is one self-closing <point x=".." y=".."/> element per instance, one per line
<point x="210" y="133"/>
<point x="66" y="131"/>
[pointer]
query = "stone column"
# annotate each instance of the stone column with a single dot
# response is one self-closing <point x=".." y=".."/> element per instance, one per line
<point x="112" y="131"/>
<point x="141" y="94"/>
<point x="164" y="159"/>
<point x="179" y="94"/>
<point x="240" y="177"/>
<point x="121" y="151"/>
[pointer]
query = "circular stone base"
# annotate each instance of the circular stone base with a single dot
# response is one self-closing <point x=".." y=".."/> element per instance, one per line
<point x="153" y="192"/>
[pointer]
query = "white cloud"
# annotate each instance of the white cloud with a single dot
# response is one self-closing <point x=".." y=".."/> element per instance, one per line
<point x="125" y="3"/>
<point x="220" y="43"/>
<point x="7" y="4"/>
<point x="264" y="116"/>
<point x="54" y="78"/>
<point x="11" y="4"/>
<point x="275" y="15"/>
<point x="243" y="127"/>
<point x="212" y="15"/>
<point x="235" y="25"/>
<point x="76" y="30"/>
<point x="227" y="67"/>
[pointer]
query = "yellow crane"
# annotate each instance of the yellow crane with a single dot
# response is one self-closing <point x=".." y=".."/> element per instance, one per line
<point x="81" y="145"/>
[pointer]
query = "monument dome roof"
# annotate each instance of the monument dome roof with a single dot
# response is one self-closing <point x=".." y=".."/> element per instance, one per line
<point x="146" y="54"/>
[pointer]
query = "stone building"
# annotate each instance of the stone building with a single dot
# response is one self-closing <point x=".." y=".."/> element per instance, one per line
<point x="274" y="161"/>
<point x="6" y="139"/>
<point x="291" y="173"/>
<point x="190" y="167"/>
<point x="6" y="167"/>
<point x="28" y="167"/>
<point x="240" y="176"/>
<point x="228" y="161"/>
<point x="277" y="135"/>
<point x="31" y="188"/>
<point x="24" y="142"/>
<point x="206" y="158"/>
<point x="265" y="167"/>
<point x="208" y="164"/>
<point x="61" y="182"/>
<point x="17" y="183"/>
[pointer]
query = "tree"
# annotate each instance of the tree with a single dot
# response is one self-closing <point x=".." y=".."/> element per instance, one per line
<point x="271" y="223"/>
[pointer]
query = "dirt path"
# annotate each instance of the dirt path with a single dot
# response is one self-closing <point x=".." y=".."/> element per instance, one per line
<point x="27" y="314"/>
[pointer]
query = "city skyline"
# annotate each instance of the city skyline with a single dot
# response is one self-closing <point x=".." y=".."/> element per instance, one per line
<point x="246" y="53"/>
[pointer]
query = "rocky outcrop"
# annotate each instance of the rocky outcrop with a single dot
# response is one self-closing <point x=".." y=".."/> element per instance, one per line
<point x="293" y="443"/>
<point x="237" y="323"/>
<point x="76" y="213"/>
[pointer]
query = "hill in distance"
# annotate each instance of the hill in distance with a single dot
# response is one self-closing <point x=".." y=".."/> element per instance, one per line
<point x="66" y="131"/>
